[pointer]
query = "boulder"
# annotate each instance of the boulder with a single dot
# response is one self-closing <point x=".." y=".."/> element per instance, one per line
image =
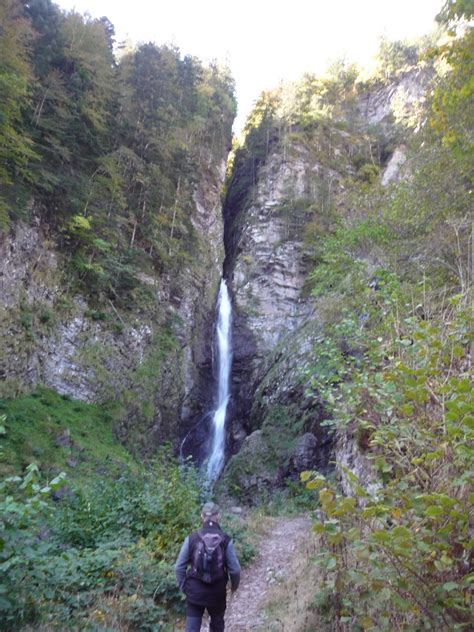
<point x="304" y="454"/>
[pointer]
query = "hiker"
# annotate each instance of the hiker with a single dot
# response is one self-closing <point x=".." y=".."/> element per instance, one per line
<point x="210" y="555"/>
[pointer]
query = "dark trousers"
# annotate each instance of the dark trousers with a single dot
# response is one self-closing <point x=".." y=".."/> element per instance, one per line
<point x="194" y="617"/>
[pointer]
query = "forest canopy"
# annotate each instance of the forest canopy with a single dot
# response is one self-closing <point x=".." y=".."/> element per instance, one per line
<point x="105" y="147"/>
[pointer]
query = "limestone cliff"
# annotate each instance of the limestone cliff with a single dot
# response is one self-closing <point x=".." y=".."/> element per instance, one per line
<point x="296" y="190"/>
<point x="150" y="361"/>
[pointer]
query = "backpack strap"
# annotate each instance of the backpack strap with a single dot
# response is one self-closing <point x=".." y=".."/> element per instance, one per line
<point x="193" y="540"/>
<point x="226" y="541"/>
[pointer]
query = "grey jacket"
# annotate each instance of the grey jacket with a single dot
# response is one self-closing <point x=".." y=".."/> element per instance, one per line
<point x="184" y="559"/>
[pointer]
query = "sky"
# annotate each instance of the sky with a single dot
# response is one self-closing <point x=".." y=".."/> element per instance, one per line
<point x="266" y="41"/>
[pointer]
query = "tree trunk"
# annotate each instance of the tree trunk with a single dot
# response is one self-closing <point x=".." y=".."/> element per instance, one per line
<point x="175" y="208"/>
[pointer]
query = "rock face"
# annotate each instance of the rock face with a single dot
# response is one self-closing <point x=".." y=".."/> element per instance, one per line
<point x="401" y="99"/>
<point x="351" y="457"/>
<point x="304" y="454"/>
<point x="393" y="169"/>
<point x="269" y="269"/>
<point x="275" y="418"/>
<point x="154" y="363"/>
<point x="274" y="325"/>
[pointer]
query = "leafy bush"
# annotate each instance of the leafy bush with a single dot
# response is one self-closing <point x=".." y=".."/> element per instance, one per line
<point x="107" y="547"/>
<point x="399" y="558"/>
<point x="243" y="537"/>
<point x="24" y="581"/>
<point x="340" y="257"/>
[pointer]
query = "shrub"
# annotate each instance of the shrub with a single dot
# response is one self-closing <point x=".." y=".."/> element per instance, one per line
<point x="399" y="558"/>
<point x="107" y="547"/>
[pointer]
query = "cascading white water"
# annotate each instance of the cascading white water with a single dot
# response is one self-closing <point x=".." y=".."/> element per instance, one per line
<point x="224" y="348"/>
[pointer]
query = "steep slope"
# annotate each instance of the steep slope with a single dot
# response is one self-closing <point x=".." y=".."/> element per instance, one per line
<point x="293" y="181"/>
<point x="111" y="237"/>
<point x="95" y="353"/>
<point x="372" y="368"/>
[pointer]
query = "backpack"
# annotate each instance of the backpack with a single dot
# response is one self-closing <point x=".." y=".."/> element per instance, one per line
<point x="208" y="558"/>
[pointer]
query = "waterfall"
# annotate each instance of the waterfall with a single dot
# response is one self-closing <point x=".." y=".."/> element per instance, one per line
<point x="224" y="353"/>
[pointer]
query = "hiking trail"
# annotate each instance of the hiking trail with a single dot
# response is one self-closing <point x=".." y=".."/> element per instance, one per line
<point x="280" y="547"/>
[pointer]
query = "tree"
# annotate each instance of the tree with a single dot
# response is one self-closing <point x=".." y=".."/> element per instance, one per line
<point x="118" y="145"/>
<point x="452" y="116"/>
<point x="16" y="146"/>
<point x="73" y="98"/>
<point x="455" y="10"/>
<point x="394" y="55"/>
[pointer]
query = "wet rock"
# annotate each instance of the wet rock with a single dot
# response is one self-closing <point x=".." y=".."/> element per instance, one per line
<point x="252" y="471"/>
<point x="350" y="457"/>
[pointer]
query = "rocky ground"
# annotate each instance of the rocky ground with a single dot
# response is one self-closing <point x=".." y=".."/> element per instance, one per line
<point x="282" y="548"/>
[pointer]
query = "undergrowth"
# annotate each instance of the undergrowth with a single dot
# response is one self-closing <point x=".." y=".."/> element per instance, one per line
<point x="399" y="558"/>
<point x="93" y="549"/>
<point x="111" y="539"/>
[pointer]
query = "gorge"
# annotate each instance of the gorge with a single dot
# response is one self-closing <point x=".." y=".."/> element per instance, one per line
<point x="287" y="180"/>
<point x="290" y="311"/>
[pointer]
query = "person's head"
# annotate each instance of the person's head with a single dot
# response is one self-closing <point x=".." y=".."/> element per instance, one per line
<point x="210" y="511"/>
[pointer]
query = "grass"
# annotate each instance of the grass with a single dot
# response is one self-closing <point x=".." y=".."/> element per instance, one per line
<point x="59" y="433"/>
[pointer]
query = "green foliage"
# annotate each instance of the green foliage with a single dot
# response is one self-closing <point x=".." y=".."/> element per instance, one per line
<point x="392" y="366"/>
<point x="291" y="500"/>
<point x="451" y="116"/>
<point x="397" y="557"/>
<point x="317" y="102"/>
<point x="341" y="256"/>
<point x="109" y="151"/>
<point x="395" y="56"/>
<point x="429" y="222"/>
<point x="100" y="555"/>
<point x="365" y="312"/>
<point x="22" y="502"/>
<point x="260" y="134"/>
<point x="455" y="10"/>
<point x="420" y="224"/>
<point x="244" y="538"/>
<point x="16" y="151"/>
<point x="134" y="505"/>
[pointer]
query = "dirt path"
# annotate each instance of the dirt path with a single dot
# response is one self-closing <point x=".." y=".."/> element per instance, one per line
<point x="283" y="536"/>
